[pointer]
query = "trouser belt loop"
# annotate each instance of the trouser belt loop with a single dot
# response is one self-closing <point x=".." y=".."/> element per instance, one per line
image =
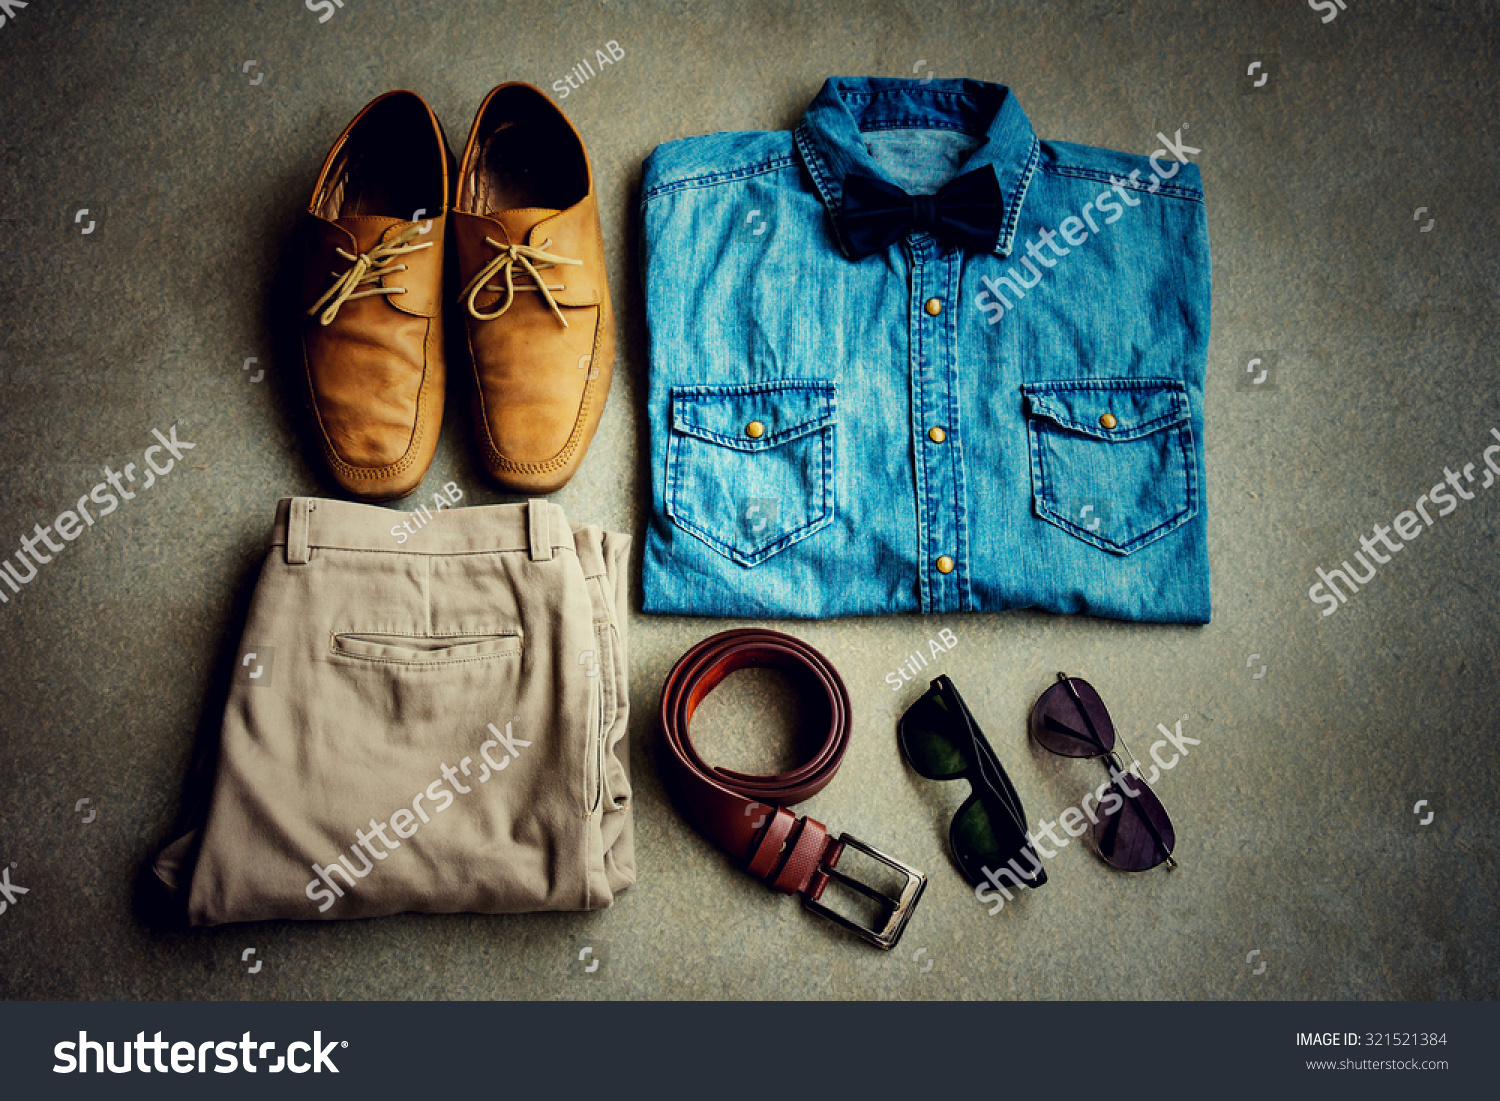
<point x="586" y="543"/>
<point x="298" y="551"/>
<point x="538" y="522"/>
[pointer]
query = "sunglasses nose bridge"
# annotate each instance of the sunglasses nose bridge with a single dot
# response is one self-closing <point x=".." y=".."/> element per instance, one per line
<point x="1135" y="765"/>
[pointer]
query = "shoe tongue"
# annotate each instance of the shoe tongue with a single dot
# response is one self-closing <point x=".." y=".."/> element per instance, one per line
<point x="519" y="223"/>
<point x="368" y="230"/>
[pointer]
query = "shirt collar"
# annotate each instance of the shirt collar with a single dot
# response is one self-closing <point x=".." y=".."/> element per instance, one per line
<point x="829" y="140"/>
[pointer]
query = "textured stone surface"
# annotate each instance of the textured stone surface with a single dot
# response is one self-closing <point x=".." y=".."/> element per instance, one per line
<point x="1295" y="815"/>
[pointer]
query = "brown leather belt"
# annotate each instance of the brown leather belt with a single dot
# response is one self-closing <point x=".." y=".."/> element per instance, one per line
<point x="747" y="816"/>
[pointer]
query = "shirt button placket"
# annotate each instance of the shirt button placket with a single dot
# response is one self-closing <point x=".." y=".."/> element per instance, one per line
<point x="933" y="381"/>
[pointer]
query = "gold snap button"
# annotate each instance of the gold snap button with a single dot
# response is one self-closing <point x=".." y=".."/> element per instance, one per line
<point x="755" y="430"/>
<point x="936" y="435"/>
<point x="1108" y="420"/>
<point x="934" y="307"/>
<point x="945" y="564"/>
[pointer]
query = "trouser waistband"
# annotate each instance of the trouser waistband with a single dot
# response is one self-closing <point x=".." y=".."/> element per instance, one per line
<point x="538" y="528"/>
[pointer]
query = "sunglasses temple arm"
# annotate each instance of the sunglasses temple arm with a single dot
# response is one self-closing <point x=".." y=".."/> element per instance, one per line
<point x="1065" y="679"/>
<point x="993" y="774"/>
<point x="1135" y="766"/>
<point x="1115" y="773"/>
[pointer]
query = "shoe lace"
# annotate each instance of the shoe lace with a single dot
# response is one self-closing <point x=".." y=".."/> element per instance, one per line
<point x="369" y="268"/>
<point x="534" y="261"/>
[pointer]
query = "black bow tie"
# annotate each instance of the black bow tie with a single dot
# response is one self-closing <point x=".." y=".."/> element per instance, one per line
<point x="966" y="212"/>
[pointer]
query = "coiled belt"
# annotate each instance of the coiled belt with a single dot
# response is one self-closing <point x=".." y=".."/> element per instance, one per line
<point x="746" y="815"/>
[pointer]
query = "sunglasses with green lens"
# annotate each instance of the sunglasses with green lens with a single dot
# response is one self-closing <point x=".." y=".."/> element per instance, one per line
<point x="940" y="740"/>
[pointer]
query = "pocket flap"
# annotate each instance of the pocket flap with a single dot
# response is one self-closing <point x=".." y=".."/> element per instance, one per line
<point x="724" y="414"/>
<point x="1132" y="408"/>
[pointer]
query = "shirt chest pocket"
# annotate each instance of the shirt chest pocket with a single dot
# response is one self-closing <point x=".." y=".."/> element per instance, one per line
<point x="750" y="467"/>
<point x="1112" y="460"/>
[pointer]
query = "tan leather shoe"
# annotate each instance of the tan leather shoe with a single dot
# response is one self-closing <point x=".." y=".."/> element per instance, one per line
<point x="534" y="297"/>
<point x="372" y="330"/>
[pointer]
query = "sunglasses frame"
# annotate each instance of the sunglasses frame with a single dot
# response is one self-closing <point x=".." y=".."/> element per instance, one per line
<point x="1115" y="769"/>
<point x="992" y="787"/>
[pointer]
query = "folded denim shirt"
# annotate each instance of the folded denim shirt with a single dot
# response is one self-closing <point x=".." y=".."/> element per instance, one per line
<point x="929" y="428"/>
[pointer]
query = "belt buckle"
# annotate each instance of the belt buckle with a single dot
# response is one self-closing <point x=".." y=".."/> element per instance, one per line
<point x="899" y="909"/>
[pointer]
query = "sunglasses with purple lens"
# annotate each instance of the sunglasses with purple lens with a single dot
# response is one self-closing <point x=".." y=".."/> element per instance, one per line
<point x="1132" y="830"/>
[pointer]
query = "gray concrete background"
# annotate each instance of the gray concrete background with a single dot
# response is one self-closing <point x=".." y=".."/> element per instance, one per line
<point x="1295" y="814"/>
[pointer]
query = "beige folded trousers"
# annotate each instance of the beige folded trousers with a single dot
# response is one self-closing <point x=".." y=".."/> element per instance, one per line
<point x="433" y="724"/>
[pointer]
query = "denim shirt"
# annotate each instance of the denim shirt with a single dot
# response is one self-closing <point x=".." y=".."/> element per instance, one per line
<point x="925" y="429"/>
